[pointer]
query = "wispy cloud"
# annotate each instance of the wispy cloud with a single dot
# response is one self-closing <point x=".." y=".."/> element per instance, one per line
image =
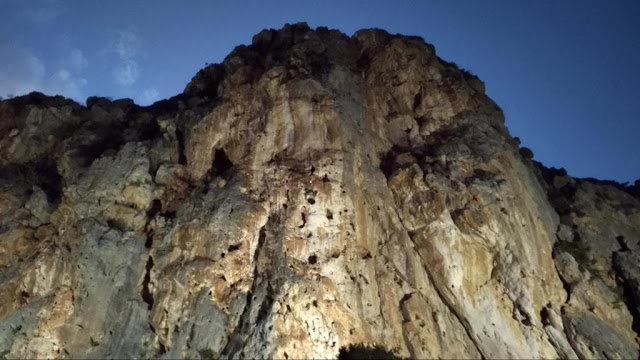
<point x="66" y="83"/>
<point x="127" y="73"/>
<point x="149" y="96"/>
<point x="126" y="45"/>
<point x="23" y="72"/>
<point x="76" y="60"/>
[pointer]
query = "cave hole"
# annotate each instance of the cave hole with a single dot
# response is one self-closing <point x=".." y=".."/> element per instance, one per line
<point x="221" y="162"/>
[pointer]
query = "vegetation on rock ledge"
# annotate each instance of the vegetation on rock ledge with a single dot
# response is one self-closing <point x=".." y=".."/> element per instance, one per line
<point x="364" y="352"/>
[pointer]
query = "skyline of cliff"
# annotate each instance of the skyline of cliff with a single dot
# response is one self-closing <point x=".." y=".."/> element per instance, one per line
<point x="564" y="73"/>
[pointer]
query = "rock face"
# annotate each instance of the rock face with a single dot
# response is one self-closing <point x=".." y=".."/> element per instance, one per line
<point x="312" y="191"/>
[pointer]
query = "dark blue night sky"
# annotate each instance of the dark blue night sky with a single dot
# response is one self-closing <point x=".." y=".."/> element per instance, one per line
<point x="566" y="73"/>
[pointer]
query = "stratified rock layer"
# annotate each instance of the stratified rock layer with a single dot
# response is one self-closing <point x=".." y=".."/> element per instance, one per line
<point x="312" y="191"/>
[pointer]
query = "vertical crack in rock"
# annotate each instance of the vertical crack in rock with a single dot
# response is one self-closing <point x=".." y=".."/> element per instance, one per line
<point x="156" y="207"/>
<point x="387" y="163"/>
<point x="161" y="348"/>
<point x="261" y="239"/>
<point x="624" y="265"/>
<point x="452" y="309"/>
<point x="182" y="157"/>
<point x="49" y="180"/>
<point x="266" y="304"/>
<point x="149" y="239"/>
<point x="623" y="245"/>
<point x="565" y="284"/>
<point x="406" y="318"/>
<point x="146" y="293"/>
<point x="237" y="336"/>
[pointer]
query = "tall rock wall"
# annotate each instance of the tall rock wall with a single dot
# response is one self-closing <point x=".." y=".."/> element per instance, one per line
<point x="312" y="191"/>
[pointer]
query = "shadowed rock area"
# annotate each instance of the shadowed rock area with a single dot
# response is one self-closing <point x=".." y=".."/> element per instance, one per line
<point x="313" y="192"/>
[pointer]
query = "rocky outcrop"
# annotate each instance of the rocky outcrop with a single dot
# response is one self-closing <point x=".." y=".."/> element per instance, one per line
<point x="596" y="257"/>
<point x="311" y="192"/>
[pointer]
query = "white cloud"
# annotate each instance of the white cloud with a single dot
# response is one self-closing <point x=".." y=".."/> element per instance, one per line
<point x="126" y="45"/>
<point x="63" y="82"/>
<point x="127" y="73"/>
<point x="149" y="96"/>
<point x="23" y="72"/>
<point x="34" y="65"/>
<point x="76" y="60"/>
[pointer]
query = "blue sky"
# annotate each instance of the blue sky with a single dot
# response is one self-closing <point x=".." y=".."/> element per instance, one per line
<point x="566" y="73"/>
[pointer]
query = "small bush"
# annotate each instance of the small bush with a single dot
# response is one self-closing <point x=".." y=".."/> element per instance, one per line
<point x="365" y="352"/>
<point x="618" y="294"/>
<point x="579" y="251"/>
<point x="526" y="153"/>
<point x="467" y="73"/>
<point x="16" y="329"/>
<point x="208" y="354"/>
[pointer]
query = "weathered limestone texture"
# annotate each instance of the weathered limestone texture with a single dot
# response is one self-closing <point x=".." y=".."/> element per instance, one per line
<point x="312" y="191"/>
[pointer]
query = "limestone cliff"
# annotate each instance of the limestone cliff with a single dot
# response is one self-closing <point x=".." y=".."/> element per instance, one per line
<point x="312" y="191"/>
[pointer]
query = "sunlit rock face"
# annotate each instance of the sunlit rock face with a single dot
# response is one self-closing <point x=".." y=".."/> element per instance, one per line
<point x="312" y="191"/>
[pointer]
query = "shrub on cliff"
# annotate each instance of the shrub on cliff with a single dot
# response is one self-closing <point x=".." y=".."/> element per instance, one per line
<point x="526" y="153"/>
<point x="366" y="352"/>
<point x="208" y="354"/>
